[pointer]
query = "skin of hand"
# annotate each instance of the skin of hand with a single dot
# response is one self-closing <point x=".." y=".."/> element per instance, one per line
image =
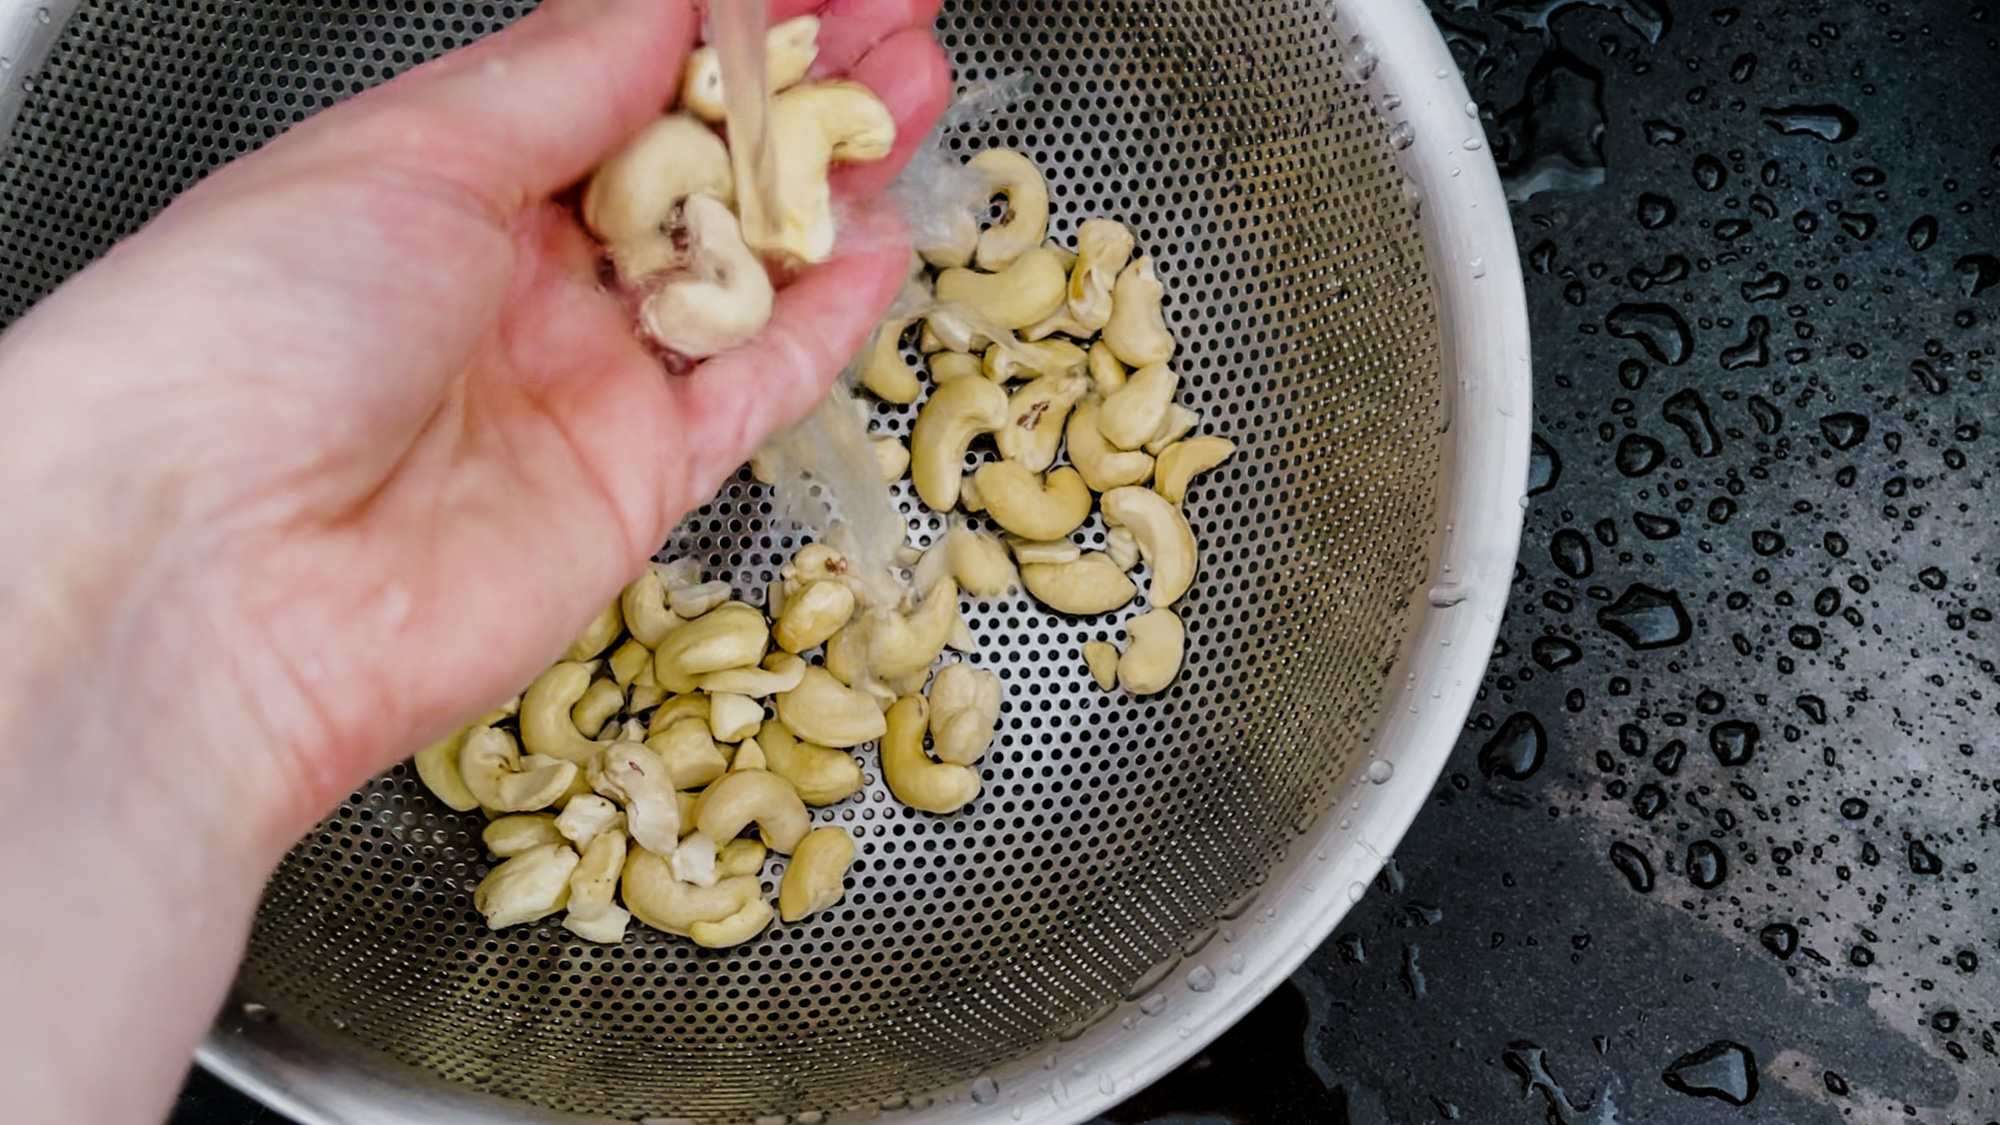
<point x="337" y="452"/>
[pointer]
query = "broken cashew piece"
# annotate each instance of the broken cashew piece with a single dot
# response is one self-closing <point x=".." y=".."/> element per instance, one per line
<point x="823" y="710"/>
<point x="1103" y="465"/>
<point x="1101" y="657"/>
<point x="789" y="50"/>
<point x="891" y="455"/>
<point x="532" y="885"/>
<point x="965" y="707"/>
<point x="601" y="700"/>
<point x="1043" y="550"/>
<point x="687" y="750"/>
<point x="978" y="560"/>
<point x="1032" y="506"/>
<point x="1021" y="294"/>
<point x="598" y="635"/>
<point x="914" y="779"/>
<point x="1122" y="547"/>
<point x="739" y="857"/>
<point x="1103" y="247"/>
<point x="437" y="767"/>
<point x="732" y="717"/>
<point x="585" y="818"/>
<point x="1026" y="219"/>
<point x="1173" y="427"/>
<point x="510" y="835"/>
<point x="883" y="370"/>
<point x="1166" y="541"/>
<point x="811" y="127"/>
<point x="1090" y="585"/>
<point x="693" y="704"/>
<point x="954" y="365"/>
<point x="749" y="756"/>
<point x="1137" y="331"/>
<point x="1153" y="655"/>
<point x="644" y="604"/>
<point x="820" y="775"/>
<point x="741" y="798"/>
<point x="490" y="766"/>
<point x="732" y="635"/>
<point x="814" y="879"/>
<point x="1186" y="459"/>
<point x="813" y="614"/>
<point x="727" y="298"/>
<point x="957" y="411"/>
<point x="547" y="727"/>
<point x="634" y="201"/>
<point x="635" y="777"/>
<point x="1035" y="416"/>
<point x="627" y="661"/>
<point x="1132" y="414"/>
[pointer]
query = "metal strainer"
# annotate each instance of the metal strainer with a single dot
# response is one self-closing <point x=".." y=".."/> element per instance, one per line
<point x="1341" y="275"/>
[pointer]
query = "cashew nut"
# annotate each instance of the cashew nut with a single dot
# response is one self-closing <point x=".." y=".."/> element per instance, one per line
<point x="607" y="926"/>
<point x="1026" y="220"/>
<point x="688" y="752"/>
<point x="1103" y="246"/>
<point x="979" y="561"/>
<point x="534" y="884"/>
<point x="437" y="767"/>
<point x="546" y="725"/>
<point x="968" y="495"/>
<point x="578" y="785"/>
<point x="689" y="602"/>
<point x="1043" y="551"/>
<point x="1030" y="505"/>
<point x="627" y="660"/>
<point x="749" y="756"/>
<point x="491" y="768"/>
<point x="847" y="655"/>
<point x="510" y="835"/>
<point x="1137" y="331"/>
<point x="1133" y="413"/>
<point x="957" y="411"/>
<point x="1101" y="657"/>
<point x="595" y="880"/>
<point x="814" y="879"/>
<point x="1103" y="466"/>
<point x="812" y="126"/>
<point x="1067" y="255"/>
<point x="953" y="365"/>
<point x="1045" y="357"/>
<point x="891" y="455"/>
<point x="952" y="330"/>
<point x="781" y="672"/>
<point x="815" y="562"/>
<point x="600" y="701"/>
<point x="694" y="861"/>
<point x="743" y="797"/>
<point x="1184" y="460"/>
<point x="736" y="929"/>
<point x="732" y="635"/>
<point x="732" y="717"/>
<point x="693" y="705"/>
<point x="724" y="301"/>
<point x="598" y="635"/>
<point x="663" y="902"/>
<point x="586" y="817"/>
<point x="1090" y="585"/>
<point x="822" y="710"/>
<point x="1122" y="547"/>
<point x="635" y="777"/>
<point x="739" y="857"/>
<point x="1105" y="370"/>
<point x="965" y="706"/>
<point x="907" y="645"/>
<point x="789" y="50"/>
<point x="916" y="780"/>
<point x="1035" y="415"/>
<point x="820" y="775"/>
<point x="813" y="614"/>
<point x="1166" y="541"/>
<point x="646" y="691"/>
<point x="644" y="604"/>
<point x="633" y="204"/>
<point x="949" y="239"/>
<point x="883" y="370"/>
<point x="1153" y="655"/>
<point x="1021" y="294"/>
<point x="1173" y="427"/>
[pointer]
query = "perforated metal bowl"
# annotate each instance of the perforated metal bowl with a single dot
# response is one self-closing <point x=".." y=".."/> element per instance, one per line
<point x="1138" y="872"/>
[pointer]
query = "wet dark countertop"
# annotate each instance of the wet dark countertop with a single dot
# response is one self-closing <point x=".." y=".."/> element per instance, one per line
<point x="1723" y="827"/>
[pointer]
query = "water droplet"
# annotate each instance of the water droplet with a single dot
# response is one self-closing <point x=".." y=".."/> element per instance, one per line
<point x="1977" y="273"/>
<point x="1570" y="551"/>
<point x="1379" y="771"/>
<point x="1645" y="618"/>
<point x="1673" y="268"/>
<point x="1656" y="526"/>
<point x="1201" y="979"/>
<point x="1766" y="415"/>
<point x="1659" y="329"/>
<point x="1473" y="144"/>
<point x="1932" y="578"/>
<point x="1638" y="870"/>
<point x="1648" y="801"/>
<point x="1923" y="861"/>
<point x="1655" y="211"/>
<point x="1781" y="938"/>
<point x="1733" y="741"/>
<point x="1766" y="542"/>
<point x="1544" y="466"/>
<point x="1844" y="430"/>
<point x="1516" y="750"/>
<point x="1402" y="136"/>
<point x="1478" y="268"/>
<point x="1706" y="865"/>
<point x="1709" y="173"/>
<point x="1768" y="287"/>
<point x="1923" y="233"/>
<point x="1106" y="1084"/>
<point x="257" y="1013"/>
<point x="1668" y="760"/>
<point x="1722" y="1070"/>
<point x="1827" y="122"/>
<point x="1754" y="351"/>
<point x="985" y="1091"/>
<point x="1355" y="891"/>
<point x="1444" y="595"/>
<point x="1688" y="411"/>
<point x="1853" y="808"/>
<point x="42" y="15"/>
<point x="1663" y="133"/>
<point x="1235" y="964"/>
<point x="1638" y="455"/>
<point x="1860" y="224"/>
<point x="1555" y="652"/>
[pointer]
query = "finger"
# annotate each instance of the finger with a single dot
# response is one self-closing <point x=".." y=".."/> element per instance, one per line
<point x="530" y="110"/>
<point x="849" y="29"/>
<point x="909" y="73"/>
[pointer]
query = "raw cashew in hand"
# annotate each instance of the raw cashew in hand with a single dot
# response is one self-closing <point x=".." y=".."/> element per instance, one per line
<point x="813" y="614"/>
<point x="811" y="127"/>
<point x="635" y="777"/>
<point x="1090" y="585"/>
<point x="546" y="726"/>
<point x="1166" y="541"/>
<point x="979" y="561"/>
<point x="957" y="411"/>
<point x="437" y="766"/>
<point x="814" y="879"/>
<point x="907" y="645"/>
<point x="598" y="635"/>
<point x="1134" y="412"/>
<point x="732" y="717"/>
<point x="743" y="797"/>
<point x="534" y="884"/>
<point x="883" y="370"/>
<point x="789" y="50"/>
<point x="633" y="203"/>
<point x="1026" y="220"/>
<point x="1102" y="465"/>
<point x="732" y="635"/>
<point x="916" y="780"/>
<point x="964" y="706"/>
<point x="586" y="817"/>
<point x="781" y="672"/>
<point x="1103" y="246"/>
<point x="1153" y="656"/>
<point x="1137" y="331"/>
<point x="510" y="835"/>
<point x="1032" y="506"/>
<point x="491" y="768"/>
<point x="688" y="751"/>
<point x="1026" y="291"/>
<point x="601" y="700"/>
<point x="727" y="297"/>
<point x="1035" y="415"/>
<point x="663" y="902"/>
<point x="822" y="710"/>
<point x="1184" y="460"/>
<point x="644" y="604"/>
<point x="1101" y="657"/>
<point x="820" y="775"/>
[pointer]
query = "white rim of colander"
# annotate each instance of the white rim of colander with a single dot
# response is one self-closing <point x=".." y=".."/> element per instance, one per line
<point x="1484" y="330"/>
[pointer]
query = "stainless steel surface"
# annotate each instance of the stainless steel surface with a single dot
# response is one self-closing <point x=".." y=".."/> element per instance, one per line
<point x="1342" y="279"/>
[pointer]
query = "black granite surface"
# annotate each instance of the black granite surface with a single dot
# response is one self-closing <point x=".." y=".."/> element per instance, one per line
<point x="1723" y="827"/>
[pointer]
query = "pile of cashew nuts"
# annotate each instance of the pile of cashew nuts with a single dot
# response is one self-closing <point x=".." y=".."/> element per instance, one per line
<point x="631" y="770"/>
